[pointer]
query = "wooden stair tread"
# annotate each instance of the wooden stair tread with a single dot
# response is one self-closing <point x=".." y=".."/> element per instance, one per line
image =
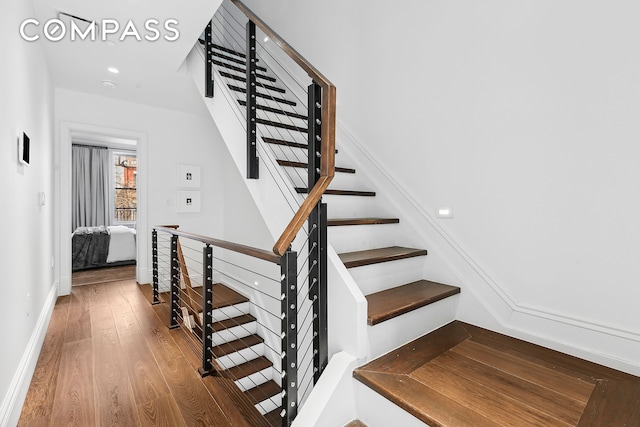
<point x="247" y="368"/>
<point x="274" y="417"/>
<point x="289" y="163"/>
<point x="236" y="345"/>
<point x="223" y="296"/>
<point x="244" y="80"/>
<point x="241" y="70"/>
<point x="232" y="322"/>
<point x="374" y="256"/>
<point x="263" y="391"/>
<point x="275" y="110"/>
<point x="461" y="374"/>
<point x="236" y="60"/>
<point x="286" y="143"/>
<point x="356" y="423"/>
<point x="226" y="49"/>
<point x="303" y="190"/>
<point x="281" y="125"/>
<point x="390" y="303"/>
<point x="361" y="221"/>
<point x="262" y="95"/>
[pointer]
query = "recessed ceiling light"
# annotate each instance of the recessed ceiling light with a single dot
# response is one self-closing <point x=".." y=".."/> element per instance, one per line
<point x="113" y="70"/>
<point x="109" y="84"/>
<point x="266" y="39"/>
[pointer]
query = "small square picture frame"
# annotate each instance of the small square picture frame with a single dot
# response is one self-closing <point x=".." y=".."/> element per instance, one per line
<point x="188" y="176"/>
<point x="189" y="201"/>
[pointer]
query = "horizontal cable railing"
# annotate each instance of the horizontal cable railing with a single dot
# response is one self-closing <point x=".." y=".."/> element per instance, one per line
<point x="326" y="121"/>
<point x="321" y="128"/>
<point x="250" y="314"/>
<point x="260" y="317"/>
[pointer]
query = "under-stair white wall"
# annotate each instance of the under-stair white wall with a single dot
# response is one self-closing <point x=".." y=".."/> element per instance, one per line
<point x="28" y="284"/>
<point x="523" y="119"/>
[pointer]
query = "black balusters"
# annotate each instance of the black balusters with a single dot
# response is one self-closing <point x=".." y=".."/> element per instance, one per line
<point x="314" y="106"/>
<point x="317" y="226"/>
<point x="252" y="155"/>
<point x="289" y="307"/>
<point x="318" y="287"/>
<point x="207" y="311"/>
<point x="154" y="263"/>
<point x="208" y="63"/>
<point x="175" y="283"/>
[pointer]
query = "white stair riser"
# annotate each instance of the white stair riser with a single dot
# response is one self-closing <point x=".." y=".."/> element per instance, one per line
<point x="231" y="311"/>
<point x="360" y="237"/>
<point x="255" y="379"/>
<point x="398" y="331"/>
<point x="269" y="405"/>
<point x="385" y="275"/>
<point x="353" y="206"/>
<point x="234" y="333"/>
<point x="241" y="356"/>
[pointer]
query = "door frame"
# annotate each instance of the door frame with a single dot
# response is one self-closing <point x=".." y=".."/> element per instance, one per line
<point x="63" y="201"/>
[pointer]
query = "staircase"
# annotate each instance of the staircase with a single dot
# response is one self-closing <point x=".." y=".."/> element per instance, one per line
<point x="386" y="300"/>
<point x="370" y="245"/>
<point x="238" y="349"/>
<point x="402" y="304"/>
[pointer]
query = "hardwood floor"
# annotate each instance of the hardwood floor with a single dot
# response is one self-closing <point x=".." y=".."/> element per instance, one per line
<point x="109" y="359"/>
<point x="461" y="375"/>
<point x="102" y="275"/>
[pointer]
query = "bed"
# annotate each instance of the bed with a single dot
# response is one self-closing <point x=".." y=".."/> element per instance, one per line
<point x="103" y="246"/>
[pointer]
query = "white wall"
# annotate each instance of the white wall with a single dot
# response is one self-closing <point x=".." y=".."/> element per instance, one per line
<point x="26" y="104"/>
<point x="521" y="116"/>
<point x="172" y="138"/>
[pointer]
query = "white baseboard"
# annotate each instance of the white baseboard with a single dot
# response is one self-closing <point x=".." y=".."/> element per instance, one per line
<point x="64" y="287"/>
<point x="14" y="399"/>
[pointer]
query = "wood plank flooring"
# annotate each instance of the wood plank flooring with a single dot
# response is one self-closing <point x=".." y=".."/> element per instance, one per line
<point x="102" y="275"/>
<point x="109" y="359"/>
<point x="461" y="375"/>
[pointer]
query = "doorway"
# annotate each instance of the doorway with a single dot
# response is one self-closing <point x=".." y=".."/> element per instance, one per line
<point x="123" y="146"/>
<point x="103" y="208"/>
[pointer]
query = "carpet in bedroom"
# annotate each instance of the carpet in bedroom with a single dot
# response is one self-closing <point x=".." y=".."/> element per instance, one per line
<point x="102" y="275"/>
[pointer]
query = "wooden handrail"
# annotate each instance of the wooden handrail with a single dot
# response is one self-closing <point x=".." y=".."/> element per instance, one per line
<point x="327" y="160"/>
<point x="235" y="247"/>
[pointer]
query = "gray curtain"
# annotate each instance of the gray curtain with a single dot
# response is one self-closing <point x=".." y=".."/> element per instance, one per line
<point x="91" y="204"/>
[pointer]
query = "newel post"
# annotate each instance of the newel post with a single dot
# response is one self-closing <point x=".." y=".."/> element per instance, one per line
<point x="289" y="316"/>
<point x="252" y="155"/>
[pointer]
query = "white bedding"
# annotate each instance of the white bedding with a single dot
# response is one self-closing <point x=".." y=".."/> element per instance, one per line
<point x="122" y="245"/>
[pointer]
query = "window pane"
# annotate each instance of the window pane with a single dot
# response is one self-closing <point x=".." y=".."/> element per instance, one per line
<point x="125" y="188"/>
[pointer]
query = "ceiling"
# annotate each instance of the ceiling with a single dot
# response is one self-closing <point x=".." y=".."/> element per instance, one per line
<point x="150" y="72"/>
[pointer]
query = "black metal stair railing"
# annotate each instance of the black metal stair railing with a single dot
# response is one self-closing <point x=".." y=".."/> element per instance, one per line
<point x="243" y="306"/>
<point x="293" y="123"/>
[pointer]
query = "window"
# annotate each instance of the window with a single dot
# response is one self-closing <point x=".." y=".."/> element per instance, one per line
<point x="125" y="195"/>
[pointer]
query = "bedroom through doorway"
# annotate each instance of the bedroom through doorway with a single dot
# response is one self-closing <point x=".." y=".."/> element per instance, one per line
<point x="104" y="208"/>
